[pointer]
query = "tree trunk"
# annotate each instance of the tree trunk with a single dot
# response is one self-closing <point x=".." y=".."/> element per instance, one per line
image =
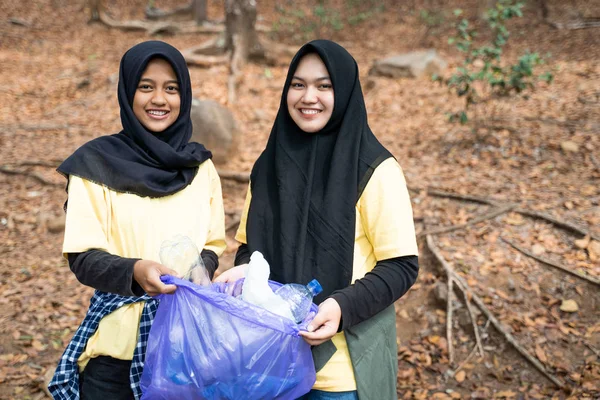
<point x="240" y="36"/>
<point x="199" y="11"/>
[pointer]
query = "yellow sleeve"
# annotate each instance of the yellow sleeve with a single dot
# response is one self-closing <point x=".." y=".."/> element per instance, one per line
<point x="386" y="213"/>
<point x="240" y="235"/>
<point x="86" y="225"/>
<point x="215" y="239"/>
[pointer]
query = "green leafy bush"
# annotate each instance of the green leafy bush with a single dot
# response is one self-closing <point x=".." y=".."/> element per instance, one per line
<point x="484" y="63"/>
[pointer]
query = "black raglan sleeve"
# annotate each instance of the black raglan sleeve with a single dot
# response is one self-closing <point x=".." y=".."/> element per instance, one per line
<point x="388" y="281"/>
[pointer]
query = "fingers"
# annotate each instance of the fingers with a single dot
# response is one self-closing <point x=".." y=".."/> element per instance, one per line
<point x="321" y="335"/>
<point x="232" y="275"/>
<point x="167" y="271"/>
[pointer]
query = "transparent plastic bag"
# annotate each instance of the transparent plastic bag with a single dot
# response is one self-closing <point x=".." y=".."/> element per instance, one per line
<point x="207" y="344"/>
<point x="182" y="251"/>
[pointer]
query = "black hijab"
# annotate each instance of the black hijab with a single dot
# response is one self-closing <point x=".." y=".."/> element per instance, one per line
<point x="136" y="160"/>
<point x="305" y="186"/>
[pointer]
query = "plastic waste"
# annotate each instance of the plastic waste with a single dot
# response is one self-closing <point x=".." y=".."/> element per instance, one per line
<point x="299" y="297"/>
<point x="182" y="251"/>
<point x="256" y="290"/>
<point x="207" y="344"/>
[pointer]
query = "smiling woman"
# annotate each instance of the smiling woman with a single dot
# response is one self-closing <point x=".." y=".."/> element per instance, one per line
<point x="127" y="194"/>
<point x="326" y="200"/>
<point x="157" y="101"/>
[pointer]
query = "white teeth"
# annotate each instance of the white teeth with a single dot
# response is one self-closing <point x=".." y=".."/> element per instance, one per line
<point x="305" y="111"/>
<point x="160" y="113"/>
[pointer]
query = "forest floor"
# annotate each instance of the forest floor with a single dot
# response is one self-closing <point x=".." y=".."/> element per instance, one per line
<point x="535" y="153"/>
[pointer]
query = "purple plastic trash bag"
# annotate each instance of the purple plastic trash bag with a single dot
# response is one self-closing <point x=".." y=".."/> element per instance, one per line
<point x="207" y="344"/>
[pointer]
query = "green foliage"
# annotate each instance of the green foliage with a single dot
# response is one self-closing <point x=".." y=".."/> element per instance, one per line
<point x="322" y="19"/>
<point x="484" y="63"/>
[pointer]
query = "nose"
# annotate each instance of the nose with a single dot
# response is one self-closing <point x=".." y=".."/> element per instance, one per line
<point x="310" y="95"/>
<point x="158" y="98"/>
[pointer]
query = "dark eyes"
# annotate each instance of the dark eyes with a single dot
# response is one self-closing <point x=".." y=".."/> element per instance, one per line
<point x="146" y="88"/>
<point x="322" y="86"/>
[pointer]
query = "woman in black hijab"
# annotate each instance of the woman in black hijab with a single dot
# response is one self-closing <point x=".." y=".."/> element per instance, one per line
<point x="328" y="201"/>
<point x="127" y="193"/>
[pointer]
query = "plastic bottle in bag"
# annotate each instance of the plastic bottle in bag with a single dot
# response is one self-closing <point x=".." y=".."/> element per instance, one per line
<point x="256" y="289"/>
<point x="180" y="253"/>
<point x="299" y="297"/>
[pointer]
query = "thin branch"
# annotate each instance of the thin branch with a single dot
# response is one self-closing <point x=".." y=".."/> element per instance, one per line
<point x="479" y="302"/>
<point x="456" y="196"/>
<point x="450" y="307"/>
<point x="479" y="345"/>
<point x="552" y="263"/>
<point x="462" y="364"/>
<point x="39" y="178"/>
<point x="444" y="229"/>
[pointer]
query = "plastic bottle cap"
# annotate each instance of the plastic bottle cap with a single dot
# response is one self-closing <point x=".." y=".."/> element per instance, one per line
<point x="315" y="287"/>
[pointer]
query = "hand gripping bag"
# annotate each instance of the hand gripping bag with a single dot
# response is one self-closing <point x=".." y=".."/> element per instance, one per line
<point x="207" y="344"/>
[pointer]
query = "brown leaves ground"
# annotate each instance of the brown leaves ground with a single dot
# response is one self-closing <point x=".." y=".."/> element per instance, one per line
<point x="59" y="86"/>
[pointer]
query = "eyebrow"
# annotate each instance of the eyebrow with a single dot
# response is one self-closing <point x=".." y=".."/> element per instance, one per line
<point x="151" y="80"/>
<point x="323" y="78"/>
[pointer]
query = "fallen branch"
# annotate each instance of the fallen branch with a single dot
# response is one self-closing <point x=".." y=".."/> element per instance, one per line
<point x="39" y="178"/>
<point x="444" y="229"/>
<point x="560" y="223"/>
<point x="552" y="263"/>
<point x="534" y="214"/>
<point x="479" y="302"/>
<point x="450" y="307"/>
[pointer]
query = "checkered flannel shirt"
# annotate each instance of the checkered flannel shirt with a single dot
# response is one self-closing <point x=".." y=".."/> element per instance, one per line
<point x="65" y="383"/>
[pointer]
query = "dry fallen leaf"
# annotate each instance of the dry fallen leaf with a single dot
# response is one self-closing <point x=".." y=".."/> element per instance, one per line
<point x="537" y="249"/>
<point x="539" y="352"/>
<point x="593" y="249"/>
<point x="514" y="219"/>
<point x="582" y="243"/>
<point x="460" y="376"/>
<point x="569" y="306"/>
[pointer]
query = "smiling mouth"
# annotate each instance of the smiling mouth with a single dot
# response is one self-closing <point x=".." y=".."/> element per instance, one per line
<point x="307" y="111"/>
<point x="157" y="114"/>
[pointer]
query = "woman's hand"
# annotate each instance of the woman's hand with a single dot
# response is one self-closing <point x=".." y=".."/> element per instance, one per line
<point x="325" y="324"/>
<point x="232" y="274"/>
<point x="147" y="273"/>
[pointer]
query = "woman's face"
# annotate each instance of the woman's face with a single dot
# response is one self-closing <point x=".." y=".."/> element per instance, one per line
<point x="310" y="95"/>
<point x="156" y="102"/>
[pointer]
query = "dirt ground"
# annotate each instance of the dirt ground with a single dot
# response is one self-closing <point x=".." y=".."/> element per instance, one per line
<point x="58" y="85"/>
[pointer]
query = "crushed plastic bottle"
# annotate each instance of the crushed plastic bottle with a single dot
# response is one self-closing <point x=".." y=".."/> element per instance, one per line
<point x="256" y="289"/>
<point x="180" y="253"/>
<point x="299" y="297"/>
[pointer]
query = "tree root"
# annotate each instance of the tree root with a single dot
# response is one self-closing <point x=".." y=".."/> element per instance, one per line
<point x="552" y="263"/>
<point x="479" y="302"/>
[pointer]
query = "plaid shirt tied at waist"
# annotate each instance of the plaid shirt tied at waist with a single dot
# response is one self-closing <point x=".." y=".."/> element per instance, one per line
<point x="65" y="382"/>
